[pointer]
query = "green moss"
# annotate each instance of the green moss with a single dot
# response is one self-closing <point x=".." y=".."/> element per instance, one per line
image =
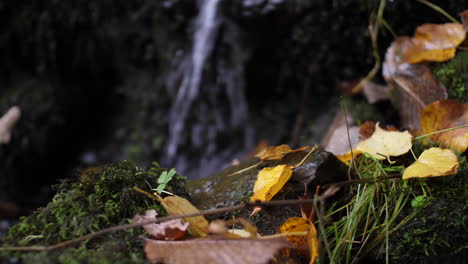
<point x="101" y="197"/>
<point x="454" y="75"/>
<point x="437" y="234"/>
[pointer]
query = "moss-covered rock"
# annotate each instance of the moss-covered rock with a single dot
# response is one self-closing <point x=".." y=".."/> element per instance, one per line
<point x="101" y="197"/>
<point x="437" y="233"/>
<point x="454" y="75"/>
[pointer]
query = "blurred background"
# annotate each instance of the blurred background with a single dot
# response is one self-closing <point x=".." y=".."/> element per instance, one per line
<point x="193" y="85"/>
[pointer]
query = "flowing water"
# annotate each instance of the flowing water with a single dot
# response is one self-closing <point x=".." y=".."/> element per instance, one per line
<point x="208" y="105"/>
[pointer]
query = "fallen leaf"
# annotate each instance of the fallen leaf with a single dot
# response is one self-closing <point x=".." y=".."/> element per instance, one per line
<point x="464" y="18"/>
<point x="367" y="128"/>
<point x="413" y="86"/>
<point x="348" y="156"/>
<point x="433" y="162"/>
<point x="432" y="42"/>
<point x="176" y="205"/>
<point x="304" y="245"/>
<point x="220" y="227"/>
<point x="383" y="144"/>
<point x="375" y="92"/>
<point x="446" y="114"/>
<point x="169" y="230"/>
<point x="277" y="153"/>
<point x="270" y="181"/>
<point x="313" y="243"/>
<point x="294" y="225"/>
<point x="7" y="123"/>
<point x="228" y="251"/>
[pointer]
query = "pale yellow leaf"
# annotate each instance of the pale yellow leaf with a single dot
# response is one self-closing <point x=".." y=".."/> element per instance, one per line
<point x="383" y="144"/>
<point x="433" y="162"/>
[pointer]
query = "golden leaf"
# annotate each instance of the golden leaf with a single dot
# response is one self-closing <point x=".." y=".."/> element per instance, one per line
<point x="432" y="42"/>
<point x="305" y="245"/>
<point x="433" y="162"/>
<point x="313" y="243"/>
<point x="277" y="153"/>
<point x="346" y="158"/>
<point x="446" y="114"/>
<point x="383" y="144"/>
<point x="270" y="181"/>
<point x="176" y="205"/>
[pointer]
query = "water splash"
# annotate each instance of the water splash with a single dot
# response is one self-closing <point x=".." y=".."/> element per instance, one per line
<point x="207" y="24"/>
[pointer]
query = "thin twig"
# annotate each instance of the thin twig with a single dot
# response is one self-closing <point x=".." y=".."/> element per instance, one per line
<point x="159" y="220"/>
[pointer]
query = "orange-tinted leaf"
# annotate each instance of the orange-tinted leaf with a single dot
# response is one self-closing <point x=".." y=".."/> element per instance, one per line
<point x="176" y="205"/>
<point x="348" y="156"/>
<point x="169" y="230"/>
<point x="277" y="153"/>
<point x="383" y="144"/>
<point x="433" y="162"/>
<point x="434" y="42"/>
<point x="293" y="225"/>
<point x="446" y="114"/>
<point x="313" y="243"/>
<point x="229" y="251"/>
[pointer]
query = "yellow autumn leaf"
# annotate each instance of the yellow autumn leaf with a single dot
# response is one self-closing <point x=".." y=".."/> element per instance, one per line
<point x="176" y="205"/>
<point x="305" y="245"/>
<point x="313" y="243"/>
<point x="433" y="162"/>
<point x="269" y="182"/>
<point x="346" y="158"/>
<point x="278" y="152"/>
<point x="383" y="144"/>
<point x="445" y="114"/>
<point x="433" y="42"/>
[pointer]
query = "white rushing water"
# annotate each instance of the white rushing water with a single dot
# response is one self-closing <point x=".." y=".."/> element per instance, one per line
<point x="207" y="24"/>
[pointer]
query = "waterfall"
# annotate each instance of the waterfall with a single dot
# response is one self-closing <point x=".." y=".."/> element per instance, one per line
<point x="206" y="30"/>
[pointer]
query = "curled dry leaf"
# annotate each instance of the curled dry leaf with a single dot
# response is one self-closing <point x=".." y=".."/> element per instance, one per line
<point x="464" y="18"/>
<point x="269" y="182"/>
<point x="433" y="162"/>
<point x="446" y="114"/>
<point x="413" y="86"/>
<point x="383" y="144"/>
<point x="228" y="251"/>
<point x="176" y="205"/>
<point x="7" y="122"/>
<point x="169" y="230"/>
<point x="432" y="42"/>
<point x="304" y="245"/>
<point x="277" y="153"/>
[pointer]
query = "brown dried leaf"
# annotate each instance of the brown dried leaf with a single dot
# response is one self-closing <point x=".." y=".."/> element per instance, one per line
<point x="413" y="86"/>
<point x="446" y="114"/>
<point x="228" y="251"/>
<point x="464" y="18"/>
<point x="278" y="152"/>
<point x="434" y="42"/>
<point x="169" y="230"/>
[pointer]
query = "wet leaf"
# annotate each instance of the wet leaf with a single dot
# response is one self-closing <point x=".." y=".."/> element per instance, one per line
<point x="433" y="162"/>
<point x="413" y="86"/>
<point x="229" y="251"/>
<point x="176" y="205"/>
<point x="313" y="243"/>
<point x="432" y="42"/>
<point x="304" y="245"/>
<point x="169" y="230"/>
<point x="447" y="114"/>
<point x="464" y="18"/>
<point x="270" y="181"/>
<point x="383" y="144"/>
<point x="277" y="153"/>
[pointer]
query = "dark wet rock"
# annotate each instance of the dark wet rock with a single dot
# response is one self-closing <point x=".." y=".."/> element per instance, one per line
<point x="221" y="190"/>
